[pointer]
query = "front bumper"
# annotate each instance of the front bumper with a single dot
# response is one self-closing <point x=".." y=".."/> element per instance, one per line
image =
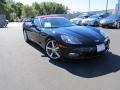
<point x="88" y="24"/>
<point x="108" y="25"/>
<point x="76" y="22"/>
<point x="82" y="52"/>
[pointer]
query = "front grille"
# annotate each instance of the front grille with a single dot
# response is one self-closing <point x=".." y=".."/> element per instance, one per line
<point x="85" y="50"/>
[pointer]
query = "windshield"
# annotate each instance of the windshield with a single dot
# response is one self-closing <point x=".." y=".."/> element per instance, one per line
<point x="113" y="17"/>
<point x="94" y="16"/>
<point x="80" y="17"/>
<point x="56" y="23"/>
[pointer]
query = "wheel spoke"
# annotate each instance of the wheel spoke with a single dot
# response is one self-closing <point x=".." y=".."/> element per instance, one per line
<point x="51" y="55"/>
<point x="57" y="54"/>
<point x="53" y="44"/>
<point x="49" y="48"/>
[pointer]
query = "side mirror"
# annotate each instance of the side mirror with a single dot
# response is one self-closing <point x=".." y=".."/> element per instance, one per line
<point x="32" y="25"/>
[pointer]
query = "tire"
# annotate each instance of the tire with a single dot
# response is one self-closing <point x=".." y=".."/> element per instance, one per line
<point x="5" y="25"/>
<point x="118" y="26"/>
<point x="80" y="23"/>
<point x="26" y="36"/>
<point x="96" y="24"/>
<point x="52" y="49"/>
<point x="103" y="26"/>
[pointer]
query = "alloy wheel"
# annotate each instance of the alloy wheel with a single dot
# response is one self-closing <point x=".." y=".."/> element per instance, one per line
<point x="52" y="50"/>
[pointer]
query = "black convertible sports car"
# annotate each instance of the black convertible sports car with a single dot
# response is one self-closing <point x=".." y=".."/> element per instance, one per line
<point x="62" y="39"/>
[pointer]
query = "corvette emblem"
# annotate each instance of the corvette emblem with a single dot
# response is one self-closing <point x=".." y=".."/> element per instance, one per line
<point x="96" y="40"/>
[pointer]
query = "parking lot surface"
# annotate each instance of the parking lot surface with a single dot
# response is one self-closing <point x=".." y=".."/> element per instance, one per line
<point x="24" y="66"/>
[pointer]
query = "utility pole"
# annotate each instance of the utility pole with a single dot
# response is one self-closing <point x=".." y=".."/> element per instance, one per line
<point x="107" y="6"/>
<point x="118" y="6"/>
<point x="89" y="9"/>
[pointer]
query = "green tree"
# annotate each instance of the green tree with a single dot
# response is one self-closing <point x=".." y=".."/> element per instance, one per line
<point x="27" y="11"/>
<point x="46" y="8"/>
<point x="2" y="8"/>
<point x="18" y="9"/>
<point x="8" y="10"/>
<point x="36" y="8"/>
<point x="13" y="16"/>
<point x="15" y="10"/>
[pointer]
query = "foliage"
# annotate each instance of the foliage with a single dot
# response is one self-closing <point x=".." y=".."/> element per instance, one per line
<point x="2" y="3"/>
<point x="27" y="11"/>
<point x="18" y="10"/>
<point x="46" y="8"/>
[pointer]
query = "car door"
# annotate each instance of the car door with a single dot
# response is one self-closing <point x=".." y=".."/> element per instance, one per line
<point x="35" y="30"/>
<point x="38" y="34"/>
<point x="41" y="36"/>
<point x="28" y="27"/>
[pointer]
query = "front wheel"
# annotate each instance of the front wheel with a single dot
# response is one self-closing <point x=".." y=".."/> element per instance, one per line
<point x="96" y="24"/>
<point x="52" y="49"/>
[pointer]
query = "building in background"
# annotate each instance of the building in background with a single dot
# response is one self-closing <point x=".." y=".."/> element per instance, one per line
<point x="117" y="9"/>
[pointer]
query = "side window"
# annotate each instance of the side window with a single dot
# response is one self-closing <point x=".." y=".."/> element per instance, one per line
<point x="37" y="22"/>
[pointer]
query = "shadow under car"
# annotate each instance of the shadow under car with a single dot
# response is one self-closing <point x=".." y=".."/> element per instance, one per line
<point x="89" y="68"/>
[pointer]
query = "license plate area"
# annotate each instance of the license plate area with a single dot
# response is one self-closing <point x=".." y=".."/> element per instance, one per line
<point x="100" y="47"/>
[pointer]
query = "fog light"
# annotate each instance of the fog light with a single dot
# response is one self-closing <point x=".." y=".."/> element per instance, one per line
<point x="73" y="54"/>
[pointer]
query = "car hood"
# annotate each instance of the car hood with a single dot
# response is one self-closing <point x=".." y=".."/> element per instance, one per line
<point x="76" y="19"/>
<point x="87" y="35"/>
<point x="89" y="19"/>
<point x="107" y="20"/>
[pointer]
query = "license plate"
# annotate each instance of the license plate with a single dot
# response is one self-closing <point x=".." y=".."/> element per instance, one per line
<point x="100" y="48"/>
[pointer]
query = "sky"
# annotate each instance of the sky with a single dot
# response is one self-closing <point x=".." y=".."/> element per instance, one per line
<point x="78" y="5"/>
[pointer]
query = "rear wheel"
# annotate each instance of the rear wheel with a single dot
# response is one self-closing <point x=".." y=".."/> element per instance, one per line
<point x="80" y="23"/>
<point x="25" y="36"/>
<point x="52" y="49"/>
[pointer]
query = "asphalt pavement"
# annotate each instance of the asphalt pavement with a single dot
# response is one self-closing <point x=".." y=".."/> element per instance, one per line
<point x="24" y="66"/>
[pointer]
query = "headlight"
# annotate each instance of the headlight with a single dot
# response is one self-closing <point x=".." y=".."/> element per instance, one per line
<point x="102" y="21"/>
<point x="104" y="34"/>
<point x="77" y="21"/>
<point x="83" y="21"/>
<point x="70" y="39"/>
